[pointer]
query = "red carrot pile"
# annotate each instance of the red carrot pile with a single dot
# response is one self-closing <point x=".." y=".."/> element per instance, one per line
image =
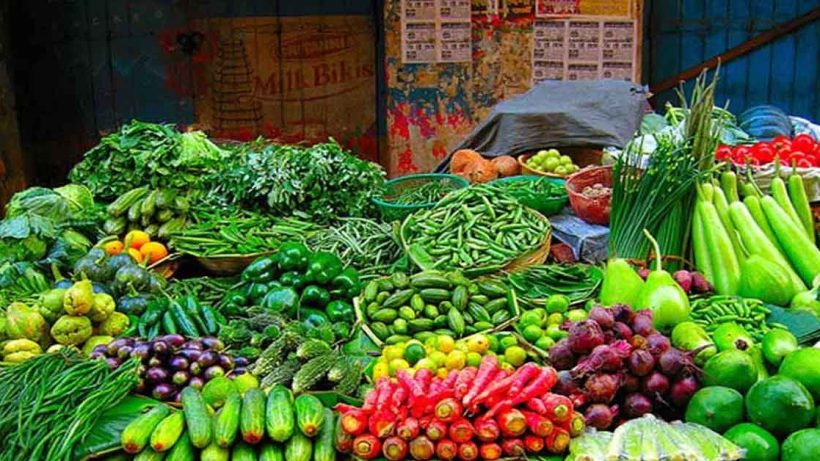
<point x="473" y="413"/>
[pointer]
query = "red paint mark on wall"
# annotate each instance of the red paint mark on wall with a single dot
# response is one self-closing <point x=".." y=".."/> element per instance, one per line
<point x="401" y="125"/>
<point x="406" y="164"/>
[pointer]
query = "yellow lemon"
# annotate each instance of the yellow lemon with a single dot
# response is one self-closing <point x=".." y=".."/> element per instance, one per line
<point x="437" y="357"/>
<point x="396" y="365"/>
<point x="478" y="343"/>
<point x="456" y="360"/>
<point x="515" y="355"/>
<point x="428" y="364"/>
<point x="446" y="344"/>
<point x="381" y="370"/>
<point x="442" y="373"/>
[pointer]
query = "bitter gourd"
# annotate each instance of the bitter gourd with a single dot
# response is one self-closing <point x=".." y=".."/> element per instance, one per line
<point x="312" y="348"/>
<point x="312" y="372"/>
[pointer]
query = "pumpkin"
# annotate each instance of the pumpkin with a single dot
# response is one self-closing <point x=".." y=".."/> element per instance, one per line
<point x="507" y="166"/>
<point x="471" y="166"/>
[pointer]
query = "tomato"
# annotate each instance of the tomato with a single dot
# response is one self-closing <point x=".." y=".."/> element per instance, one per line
<point x="803" y="142"/>
<point x="723" y="153"/>
<point x="804" y="163"/>
<point x="781" y="142"/>
<point x="754" y="162"/>
<point x="812" y="158"/>
<point x="763" y="152"/>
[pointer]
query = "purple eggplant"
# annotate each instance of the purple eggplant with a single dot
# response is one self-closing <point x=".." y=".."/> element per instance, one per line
<point x="180" y="377"/>
<point x="113" y="362"/>
<point x="97" y="355"/>
<point x="101" y="348"/>
<point x="143" y="351"/>
<point x="191" y="354"/>
<point x="178" y="363"/>
<point x="225" y="361"/>
<point x="208" y="358"/>
<point x="214" y="344"/>
<point x="173" y="340"/>
<point x="240" y="361"/>
<point x="160" y="348"/>
<point x="196" y="382"/>
<point x="193" y="344"/>
<point x="163" y="391"/>
<point x="239" y="371"/>
<point x="195" y="368"/>
<point x="124" y="352"/>
<point x="156" y="375"/>
<point x="177" y="397"/>
<point x="154" y="362"/>
<point x="213" y="372"/>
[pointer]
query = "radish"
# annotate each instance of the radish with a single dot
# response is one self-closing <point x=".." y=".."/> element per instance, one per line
<point x="622" y="313"/>
<point x="512" y="423"/>
<point x="538" y="424"/>
<point x="561" y="356"/>
<point x="486" y="429"/>
<point x="606" y="357"/>
<point x="601" y="388"/>
<point x="656" y="383"/>
<point x="642" y="323"/>
<point x="381" y="423"/>
<point x="584" y="336"/>
<point x="408" y="429"/>
<point x="489" y="451"/>
<point x="559" y="407"/>
<point x="684" y="279"/>
<point x="354" y="421"/>
<point x="468" y="451"/>
<point x="486" y="371"/>
<point x="464" y="381"/>
<point x="603" y="316"/>
<point x="513" y="447"/>
<point x="436" y="430"/>
<point x="558" y="441"/>
<point x="448" y="410"/>
<point x="599" y="416"/>
<point x="461" y="431"/>
<point x="574" y="426"/>
<point x="622" y="331"/>
<point x="641" y="362"/>
<point x="658" y="344"/>
<point x="537" y="405"/>
<point x="394" y="449"/>
<point x="342" y="440"/>
<point x="682" y="391"/>
<point x="533" y="443"/>
<point x="636" y="405"/>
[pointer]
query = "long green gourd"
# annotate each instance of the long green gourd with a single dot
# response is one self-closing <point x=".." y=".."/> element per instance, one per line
<point x="802" y="253"/>
<point x="724" y="262"/>
<point x="797" y="194"/>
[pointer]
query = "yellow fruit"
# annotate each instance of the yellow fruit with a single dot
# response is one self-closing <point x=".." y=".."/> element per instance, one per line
<point x="462" y="346"/>
<point x="428" y="364"/>
<point x="113" y="248"/>
<point x="473" y="359"/>
<point x="456" y="360"/>
<point x="442" y="373"/>
<point x="555" y="318"/>
<point x="246" y="381"/>
<point x="396" y="365"/>
<point x="478" y="343"/>
<point x="437" y="357"/>
<point x="431" y="343"/>
<point x="136" y="239"/>
<point x="515" y="355"/>
<point x="380" y="370"/>
<point x="135" y="255"/>
<point x="446" y="344"/>
<point x="393" y="352"/>
<point x="506" y="366"/>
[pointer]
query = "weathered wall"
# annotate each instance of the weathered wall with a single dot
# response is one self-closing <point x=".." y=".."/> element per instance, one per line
<point x="13" y="168"/>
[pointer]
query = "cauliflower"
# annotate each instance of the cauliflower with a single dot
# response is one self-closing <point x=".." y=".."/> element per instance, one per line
<point x="102" y="307"/>
<point x="70" y="330"/>
<point x="19" y="350"/>
<point x="115" y="324"/>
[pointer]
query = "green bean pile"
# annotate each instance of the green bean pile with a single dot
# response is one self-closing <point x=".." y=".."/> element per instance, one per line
<point x="208" y="290"/>
<point x="367" y="245"/>
<point x="428" y="192"/>
<point x="749" y="313"/>
<point x="477" y="228"/>
<point x="49" y="403"/>
<point x="541" y="187"/>
<point x="537" y="283"/>
<point x="240" y="233"/>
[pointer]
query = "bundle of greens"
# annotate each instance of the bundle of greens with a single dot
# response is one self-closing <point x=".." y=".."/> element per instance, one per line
<point x="368" y="246"/>
<point x="150" y="154"/>
<point x="49" y="403"/>
<point x="660" y="196"/>
<point x="321" y="182"/>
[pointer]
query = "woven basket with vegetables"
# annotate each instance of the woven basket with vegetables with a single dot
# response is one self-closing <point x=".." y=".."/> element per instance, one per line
<point x="478" y="230"/>
<point x="411" y="193"/>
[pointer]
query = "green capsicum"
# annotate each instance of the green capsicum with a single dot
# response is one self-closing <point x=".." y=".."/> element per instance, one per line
<point x="341" y="329"/>
<point x="340" y="311"/>
<point x="293" y="256"/>
<point x="322" y="267"/>
<point x="347" y="284"/>
<point x="236" y="296"/>
<point x="293" y="279"/>
<point x="281" y="300"/>
<point x="313" y="318"/>
<point x="256" y="291"/>
<point x="314" y="296"/>
<point x="262" y="270"/>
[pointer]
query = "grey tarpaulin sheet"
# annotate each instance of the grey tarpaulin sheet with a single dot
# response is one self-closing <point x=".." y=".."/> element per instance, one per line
<point x="588" y="241"/>
<point x="559" y="114"/>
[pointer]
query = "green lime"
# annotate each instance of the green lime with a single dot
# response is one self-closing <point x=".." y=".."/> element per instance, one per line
<point x="493" y="339"/>
<point x="515" y="355"/>
<point x="545" y="343"/>
<point x="715" y="407"/>
<point x="532" y="333"/>
<point x="414" y="352"/>
<point x="217" y="390"/>
<point x="557" y="303"/>
<point x="508" y="341"/>
<point x="555" y="319"/>
<point x="760" y="444"/>
<point x="473" y="359"/>
<point x="576" y="315"/>
<point x="533" y="317"/>
<point x="556" y="333"/>
<point x="245" y="382"/>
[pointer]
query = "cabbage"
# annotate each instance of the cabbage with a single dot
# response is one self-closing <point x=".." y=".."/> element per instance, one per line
<point x="77" y="197"/>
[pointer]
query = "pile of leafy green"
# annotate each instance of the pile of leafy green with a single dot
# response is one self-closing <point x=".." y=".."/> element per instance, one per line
<point x="151" y="154"/>
<point x="321" y="182"/>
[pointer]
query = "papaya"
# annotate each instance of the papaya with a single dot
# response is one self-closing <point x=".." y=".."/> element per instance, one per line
<point x="715" y="407"/>
<point x="780" y="404"/>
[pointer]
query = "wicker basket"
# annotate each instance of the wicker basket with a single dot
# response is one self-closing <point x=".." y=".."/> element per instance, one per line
<point x="581" y="156"/>
<point x="167" y="266"/>
<point x="229" y="264"/>
<point x="531" y="258"/>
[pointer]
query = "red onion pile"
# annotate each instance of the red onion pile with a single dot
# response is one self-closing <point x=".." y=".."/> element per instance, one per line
<point x="615" y="366"/>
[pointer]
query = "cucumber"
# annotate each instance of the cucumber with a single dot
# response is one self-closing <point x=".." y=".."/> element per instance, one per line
<point x="398" y="299"/>
<point x="214" y="452"/>
<point x="456" y="321"/>
<point x="252" y="416"/>
<point x="243" y="452"/>
<point x="184" y="323"/>
<point x="182" y="449"/>
<point x="460" y="297"/>
<point x="429" y="280"/>
<point x="149" y="455"/>
<point x="167" y="432"/>
<point x="492" y="289"/>
<point x="196" y="417"/>
<point x="324" y="446"/>
<point x="298" y="448"/>
<point x="137" y="434"/>
<point x="226" y="425"/>
<point x="435" y="295"/>
<point x="279" y="417"/>
<point x="309" y="414"/>
<point x="271" y="452"/>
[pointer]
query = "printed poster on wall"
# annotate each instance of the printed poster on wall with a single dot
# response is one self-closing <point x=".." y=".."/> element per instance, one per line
<point x="435" y="31"/>
<point x="544" y="8"/>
